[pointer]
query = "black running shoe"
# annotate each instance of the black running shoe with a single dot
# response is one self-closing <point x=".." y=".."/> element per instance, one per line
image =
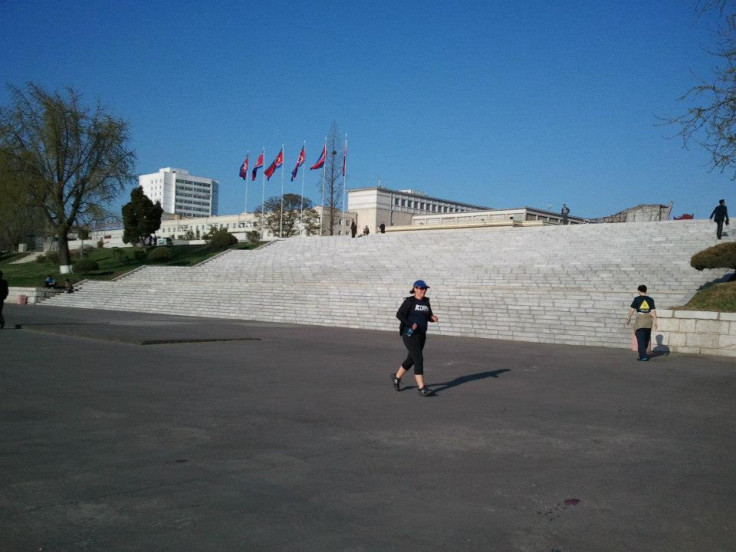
<point x="425" y="391"/>
<point x="396" y="381"/>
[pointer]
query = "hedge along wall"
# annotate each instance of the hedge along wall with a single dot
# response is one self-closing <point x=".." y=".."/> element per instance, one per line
<point x="698" y="332"/>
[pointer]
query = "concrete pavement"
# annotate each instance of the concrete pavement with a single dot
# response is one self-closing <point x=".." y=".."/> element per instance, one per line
<point x="124" y="431"/>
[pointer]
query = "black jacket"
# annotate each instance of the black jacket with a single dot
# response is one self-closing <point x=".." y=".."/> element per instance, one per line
<point x="406" y="308"/>
<point x="720" y="213"/>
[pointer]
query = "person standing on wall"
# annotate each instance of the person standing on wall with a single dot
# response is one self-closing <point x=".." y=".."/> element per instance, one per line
<point x="415" y="313"/>
<point x="719" y="215"/>
<point x="646" y="320"/>
<point x="3" y="296"/>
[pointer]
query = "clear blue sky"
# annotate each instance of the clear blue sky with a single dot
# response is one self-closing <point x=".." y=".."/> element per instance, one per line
<point x="498" y="103"/>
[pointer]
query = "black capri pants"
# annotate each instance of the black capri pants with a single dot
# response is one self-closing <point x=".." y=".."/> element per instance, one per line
<point x="415" y="345"/>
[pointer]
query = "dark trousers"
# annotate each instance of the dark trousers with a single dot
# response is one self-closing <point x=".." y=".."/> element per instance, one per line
<point x="719" y="228"/>
<point x="643" y="335"/>
<point x="2" y="320"/>
<point x="414" y="344"/>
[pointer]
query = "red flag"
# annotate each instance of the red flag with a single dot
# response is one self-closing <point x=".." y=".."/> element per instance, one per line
<point x="258" y="165"/>
<point x="275" y="165"/>
<point x="321" y="161"/>
<point x="244" y="168"/>
<point x="299" y="163"/>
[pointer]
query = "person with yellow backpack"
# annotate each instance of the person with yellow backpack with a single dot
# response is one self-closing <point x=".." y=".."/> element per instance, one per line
<point x="646" y="320"/>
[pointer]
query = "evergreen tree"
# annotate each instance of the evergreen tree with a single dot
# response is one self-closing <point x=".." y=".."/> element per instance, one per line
<point x="141" y="217"/>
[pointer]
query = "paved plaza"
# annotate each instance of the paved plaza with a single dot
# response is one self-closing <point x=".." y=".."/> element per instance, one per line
<point x="140" y="432"/>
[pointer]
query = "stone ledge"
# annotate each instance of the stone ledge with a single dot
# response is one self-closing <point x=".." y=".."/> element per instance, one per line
<point x="33" y="294"/>
<point x="698" y="332"/>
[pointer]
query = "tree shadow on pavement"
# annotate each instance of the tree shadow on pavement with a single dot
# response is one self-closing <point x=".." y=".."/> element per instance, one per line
<point x="440" y="387"/>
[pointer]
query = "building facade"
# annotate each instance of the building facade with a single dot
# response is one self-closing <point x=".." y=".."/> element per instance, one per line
<point x="190" y="229"/>
<point x="181" y="193"/>
<point x="495" y="216"/>
<point x="377" y="205"/>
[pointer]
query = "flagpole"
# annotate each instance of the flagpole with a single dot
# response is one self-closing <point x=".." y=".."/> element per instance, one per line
<point x="344" y="174"/>
<point x="304" y="149"/>
<point x="324" y="168"/>
<point x="263" y="196"/>
<point x="281" y="222"/>
<point x="246" y="185"/>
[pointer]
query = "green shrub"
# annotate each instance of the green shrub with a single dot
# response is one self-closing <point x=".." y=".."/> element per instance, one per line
<point x="84" y="266"/>
<point x="41" y="259"/>
<point x="722" y="255"/>
<point x="119" y="255"/>
<point x="53" y="256"/>
<point x="159" y="255"/>
<point x="140" y="255"/>
<point x="253" y="236"/>
<point x="222" y="239"/>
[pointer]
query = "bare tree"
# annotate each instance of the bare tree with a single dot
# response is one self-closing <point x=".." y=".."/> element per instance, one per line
<point x="294" y="217"/>
<point x="72" y="160"/>
<point x="330" y="184"/>
<point x="710" y="121"/>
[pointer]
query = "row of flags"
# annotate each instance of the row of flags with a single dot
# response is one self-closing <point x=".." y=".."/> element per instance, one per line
<point x="279" y="161"/>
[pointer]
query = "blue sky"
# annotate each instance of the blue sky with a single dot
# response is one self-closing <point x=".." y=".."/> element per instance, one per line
<point x="503" y="104"/>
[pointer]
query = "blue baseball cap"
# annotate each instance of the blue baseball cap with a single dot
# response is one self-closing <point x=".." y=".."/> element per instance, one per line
<point x="420" y="284"/>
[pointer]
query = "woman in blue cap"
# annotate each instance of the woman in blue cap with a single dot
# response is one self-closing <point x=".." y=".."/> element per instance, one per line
<point x="415" y="314"/>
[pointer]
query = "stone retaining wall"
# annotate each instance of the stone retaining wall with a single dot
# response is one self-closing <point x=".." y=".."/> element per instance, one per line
<point x="33" y="294"/>
<point x="696" y="332"/>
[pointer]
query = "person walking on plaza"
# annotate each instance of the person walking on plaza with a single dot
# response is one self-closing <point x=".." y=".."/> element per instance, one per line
<point x="3" y="297"/>
<point x="646" y="320"/>
<point x="719" y="215"/>
<point x="415" y="313"/>
<point x="353" y="229"/>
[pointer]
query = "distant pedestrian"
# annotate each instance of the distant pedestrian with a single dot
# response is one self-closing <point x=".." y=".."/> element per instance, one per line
<point x="565" y="212"/>
<point x="353" y="229"/>
<point x="382" y="228"/>
<point x="50" y="281"/>
<point x="3" y="296"/>
<point x="719" y="216"/>
<point x="366" y="230"/>
<point x="646" y="320"/>
<point x="415" y="313"/>
<point x="68" y="287"/>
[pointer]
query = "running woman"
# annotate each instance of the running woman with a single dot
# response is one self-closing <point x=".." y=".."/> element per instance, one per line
<point x="415" y="313"/>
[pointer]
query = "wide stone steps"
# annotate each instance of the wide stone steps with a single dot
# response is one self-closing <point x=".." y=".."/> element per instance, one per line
<point x="558" y="285"/>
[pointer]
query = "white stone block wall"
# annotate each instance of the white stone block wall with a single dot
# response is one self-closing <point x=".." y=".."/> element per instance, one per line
<point x="697" y="332"/>
<point x="33" y="295"/>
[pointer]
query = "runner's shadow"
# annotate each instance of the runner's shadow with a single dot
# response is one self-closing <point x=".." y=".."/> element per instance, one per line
<point x="439" y="387"/>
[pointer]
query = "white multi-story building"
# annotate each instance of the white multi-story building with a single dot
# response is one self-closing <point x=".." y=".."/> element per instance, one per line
<point x="181" y="193"/>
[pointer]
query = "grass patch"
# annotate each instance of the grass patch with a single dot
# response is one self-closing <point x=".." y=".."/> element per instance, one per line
<point x="718" y="297"/>
<point x="111" y="264"/>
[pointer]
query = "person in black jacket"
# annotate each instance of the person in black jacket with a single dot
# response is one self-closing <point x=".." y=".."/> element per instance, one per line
<point x="719" y="215"/>
<point x="415" y="313"/>
<point x="3" y="297"/>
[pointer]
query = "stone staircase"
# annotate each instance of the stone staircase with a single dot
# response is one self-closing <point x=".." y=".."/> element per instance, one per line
<point x="552" y="284"/>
